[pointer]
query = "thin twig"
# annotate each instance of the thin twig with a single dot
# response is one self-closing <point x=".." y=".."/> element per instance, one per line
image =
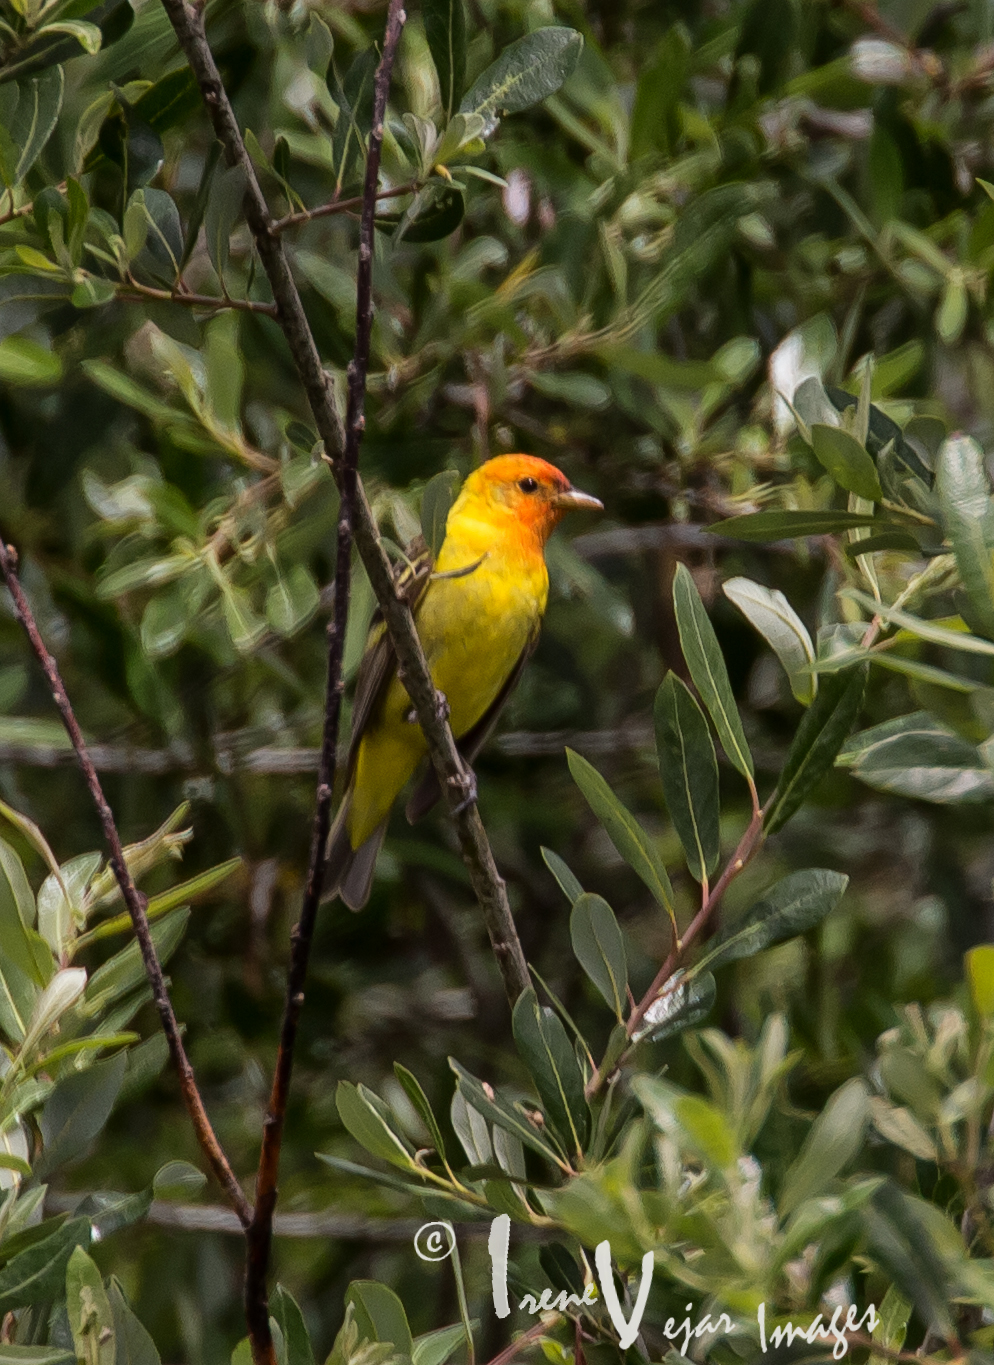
<point x="133" y="898"/>
<point x="747" y="846"/>
<point x="455" y="778"/>
<point x="136" y="293"/>
<point x="260" y="1233"/>
<point x="339" y="206"/>
<point x="537" y="1329"/>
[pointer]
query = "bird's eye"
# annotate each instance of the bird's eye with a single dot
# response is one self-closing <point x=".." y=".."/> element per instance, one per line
<point x="528" y="485"/>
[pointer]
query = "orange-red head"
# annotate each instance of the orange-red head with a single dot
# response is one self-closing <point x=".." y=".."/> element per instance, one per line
<point x="524" y="491"/>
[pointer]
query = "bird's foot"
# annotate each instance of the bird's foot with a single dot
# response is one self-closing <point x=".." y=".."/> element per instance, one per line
<point x="465" y="783"/>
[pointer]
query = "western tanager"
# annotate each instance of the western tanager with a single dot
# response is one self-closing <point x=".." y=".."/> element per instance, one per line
<point x="478" y="611"/>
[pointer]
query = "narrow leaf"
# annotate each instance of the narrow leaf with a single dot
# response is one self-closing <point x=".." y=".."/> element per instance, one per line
<point x="783" y="630"/>
<point x="689" y="773"/>
<point x="600" y="949"/>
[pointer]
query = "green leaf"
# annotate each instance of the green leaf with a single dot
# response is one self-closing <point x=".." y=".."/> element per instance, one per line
<point x="507" y="1115"/>
<point x="38" y="1275"/>
<point x="436" y="502"/>
<point x="61" y="993"/>
<point x="886" y="540"/>
<point x="224" y="207"/>
<point x="89" y="1311"/>
<point x="686" y="1002"/>
<point x="924" y="630"/>
<point x="980" y="974"/>
<point x="433" y="1348"/>
<point x="380" y="1315"/>
<point x="434" y="213"/>
<point x="292" y="601"/>
<point x="565" y="879"/>
<point x="546" y="1051"/>
<point x="769" y="526"/>
<point x="369" y="1127"/>
<point x="600" y="948"/>
<point x="165" y="901"/>
<point x="835" y="1138"/>
<point x="77" y="1110"/>
<point x="821" y="734"/>
<point x="689" y="773"/>
<point x="178" y="1180"/>
<point x="35" y="118"/>
<point x="783" y="630"/>
<point x="968" y="515"/>
<point x="445" y="29"/>
<point x="625" y="832"/>
<point x="34" y="1355"/>
<point x="126" y="970"/>
<point x="25" y="363"/>
<point x="163" y="249"/>
<point x="794" y="905"/>
<point x="918" y="757"/>
<point x="132" y="1343"/>
<point x="286" y="1311"/>
<point x="354" y="97"/>
<point x="417" y="1096"/>
<point x="892" y="1317"/>
<point x="707" y="668"/>
<point x="846" y="460"/>
<point x="525" y="73"/>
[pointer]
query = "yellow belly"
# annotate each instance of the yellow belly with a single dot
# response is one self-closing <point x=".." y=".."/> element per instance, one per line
<point x="474" y="629"/>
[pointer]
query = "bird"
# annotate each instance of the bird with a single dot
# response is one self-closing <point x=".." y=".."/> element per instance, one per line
<point x="478" y="610"/>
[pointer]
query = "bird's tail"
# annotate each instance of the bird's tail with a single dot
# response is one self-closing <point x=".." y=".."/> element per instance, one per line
<point x="350" y="870"/>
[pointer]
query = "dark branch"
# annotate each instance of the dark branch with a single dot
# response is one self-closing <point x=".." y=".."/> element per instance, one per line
<point x="135" y="293"/>
<point x="339" y="206"/>
<point x="133" y="898"/>
<point x="260" y="1233"/>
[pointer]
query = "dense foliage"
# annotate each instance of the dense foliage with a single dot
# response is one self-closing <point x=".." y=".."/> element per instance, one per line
<point x="723" y="263"/>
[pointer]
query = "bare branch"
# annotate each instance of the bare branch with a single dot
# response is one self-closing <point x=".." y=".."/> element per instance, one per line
<point x="133" y="898"/>
<point x="135" y="293"/>
<point x="260" y="1233"/>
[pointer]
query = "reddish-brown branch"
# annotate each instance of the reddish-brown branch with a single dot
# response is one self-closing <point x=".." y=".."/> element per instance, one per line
<point x="133" y="898"/>
<point x="537" y="1329"/>
<point x="340" y="206"/>
<point x="260" y="1233"/>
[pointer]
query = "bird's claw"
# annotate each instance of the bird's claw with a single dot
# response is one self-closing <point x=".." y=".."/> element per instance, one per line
<point x="466" y="783"/>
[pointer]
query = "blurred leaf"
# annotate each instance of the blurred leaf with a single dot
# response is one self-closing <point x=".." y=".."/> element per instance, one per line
<point x="526" y="72"/>
<point x="846" y="460"/>
<point x="287" y="1313"/>
<point x="89" y="1310"/>
<point x="354" y="97"/>
<point x="445" y="29"/>
<point x="224" y="208"/>
<point x="25" y="362"/>
<point x="37" y="112"/>
<point x="782" y="629"/>
<point x="821" y="734"/>
<point x="795" y="904"/>
<point x="125" y="970"/>
<point x="629" y="838"/>
<point x="178" y="1180"/>
<point x="772" y="526"/>
<point x="892" y="1325"/>
<point x="968" y="515"/>
<point x="549" y="1057"/>
<point x="900" y="1127"/>
<point x="436" y="502"/>
<point x="980" y="974"/>
<point x="76" y="1111"/>
<point x="163" y="249"/>
<point x="434" y="213"/>
<point x="434" y="1348"/>
<point x="689" y="773"/>
<point x="132" y="1343"/>
<point x="707" y="668"/>
<point x="600" y="948"/>
<point x="832" y="1142"/>
<point x="11" y="1354"/>
<point x="292" y="601"/>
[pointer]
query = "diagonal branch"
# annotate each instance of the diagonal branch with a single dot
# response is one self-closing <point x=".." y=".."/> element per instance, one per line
<point x="133" y="898"/>
<point x="455" y="779"/>
<point x="260" y="1233"/>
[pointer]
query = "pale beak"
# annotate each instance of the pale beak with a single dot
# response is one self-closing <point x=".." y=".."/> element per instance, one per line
<point x="573" y="499"/>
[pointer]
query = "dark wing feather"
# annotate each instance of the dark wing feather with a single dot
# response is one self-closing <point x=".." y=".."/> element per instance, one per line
<point x="427" y="792"/>
<point x="378" y="662"/>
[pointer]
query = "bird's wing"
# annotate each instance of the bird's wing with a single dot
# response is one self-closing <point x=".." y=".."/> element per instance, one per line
<point x="428" y="791"/>
<point x="379" y="662"/>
